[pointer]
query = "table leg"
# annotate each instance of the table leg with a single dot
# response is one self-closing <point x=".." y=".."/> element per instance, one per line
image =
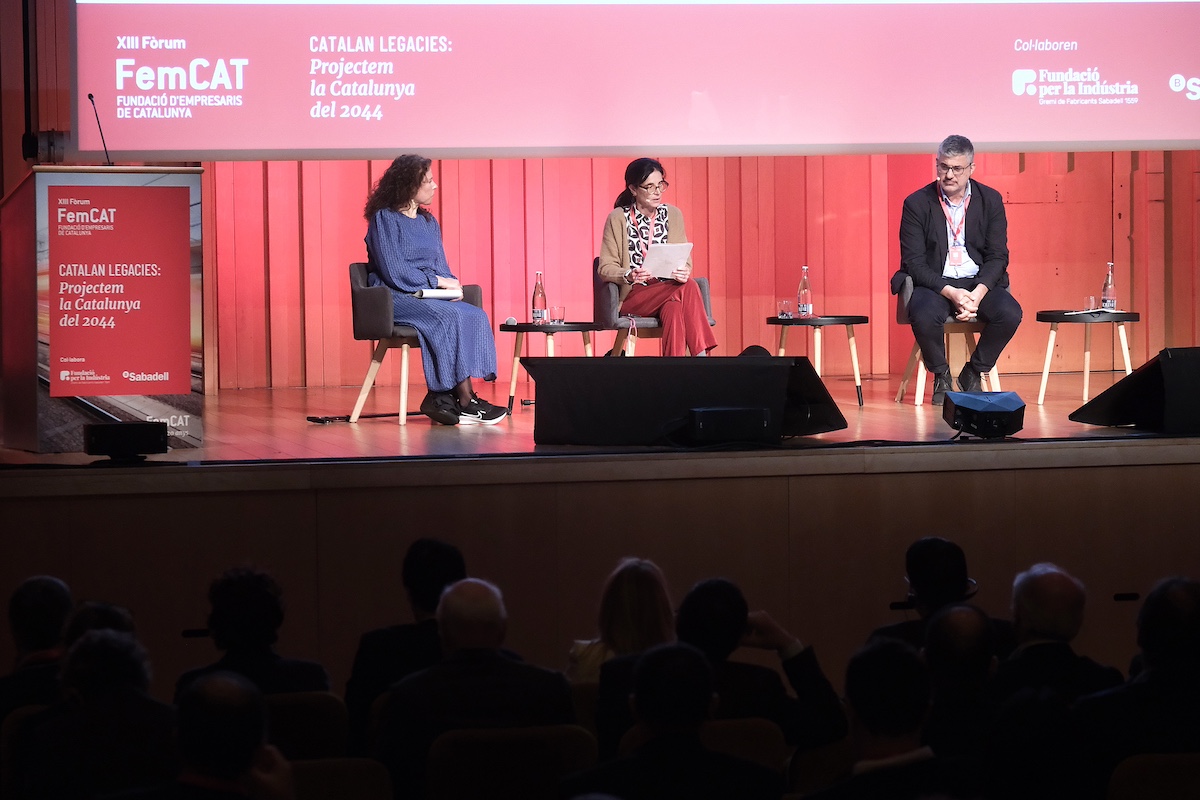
<point x="512" y="382"/>
<point x="587" y="343"/>
<point x="854" y="362"/>
<point x="909" y="369"/>
<point x="783" y="329"/>
<point x="1087" y="358"/>
<point x="817" y="349"/>
<point x="1049" y="355"/>
<point x="1124" y="346"/>
<point x="549" y="345"/>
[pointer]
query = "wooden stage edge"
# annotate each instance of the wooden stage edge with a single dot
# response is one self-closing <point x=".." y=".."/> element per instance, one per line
<point x="814" y="531"/>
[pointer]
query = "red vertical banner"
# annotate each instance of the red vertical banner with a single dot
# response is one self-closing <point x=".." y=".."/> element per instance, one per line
<point x="119" y="290"/>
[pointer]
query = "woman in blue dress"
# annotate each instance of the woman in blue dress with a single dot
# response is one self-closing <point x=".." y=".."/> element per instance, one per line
<point x="404" y="253"/>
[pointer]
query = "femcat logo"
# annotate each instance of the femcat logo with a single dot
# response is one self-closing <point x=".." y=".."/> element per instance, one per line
<point x="64" y="374"/>
<point x="1023" y="82"/>
<point x="1178" y="83"/>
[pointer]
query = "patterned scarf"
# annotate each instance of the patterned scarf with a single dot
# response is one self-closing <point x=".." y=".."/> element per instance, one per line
<point x="638" y="228"/>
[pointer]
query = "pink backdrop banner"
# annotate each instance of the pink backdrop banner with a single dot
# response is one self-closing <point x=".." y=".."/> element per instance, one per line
<point x="119" y="290"/>
<point x="262" y="81"/>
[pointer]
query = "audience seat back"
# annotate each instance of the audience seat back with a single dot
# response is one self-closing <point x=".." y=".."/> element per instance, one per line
<point x="507" y="763"/>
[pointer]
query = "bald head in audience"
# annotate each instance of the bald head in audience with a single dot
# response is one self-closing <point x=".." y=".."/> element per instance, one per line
<point x="959" y="646"/>
<point x="1047" y="604"/>
<point x="471" y="616"/>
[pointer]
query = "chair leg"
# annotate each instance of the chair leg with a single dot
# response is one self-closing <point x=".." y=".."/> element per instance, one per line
<point x="631" y="345"/>
<point x="404" y="348"/>
<point x="1046" y="367"/>
<point x="921" y="373"/>
<point x="908" y="372"/>
<point x="376" y="360"/>
<point x="619" y="342"/>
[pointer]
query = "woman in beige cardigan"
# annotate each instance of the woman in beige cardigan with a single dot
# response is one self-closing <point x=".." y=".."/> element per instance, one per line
<point x="641" y="218"/>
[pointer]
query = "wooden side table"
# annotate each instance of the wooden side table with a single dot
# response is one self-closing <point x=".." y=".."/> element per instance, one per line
<point x="1087" y="319"/>
<point x="522" y="328"/>
<point x="817" y="323"/>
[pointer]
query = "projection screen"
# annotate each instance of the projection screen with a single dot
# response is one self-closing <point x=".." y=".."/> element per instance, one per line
<point x="322" y="79"/>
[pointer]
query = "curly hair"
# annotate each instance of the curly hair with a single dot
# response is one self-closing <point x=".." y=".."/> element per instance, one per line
<point x="399" y="185"/>
<point x="247" y="609"/>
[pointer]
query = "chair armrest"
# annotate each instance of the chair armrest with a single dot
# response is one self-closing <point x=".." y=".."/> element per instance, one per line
<point x="370" y="306"/>
<point x="606" y="300"/>
<point x="473" y="294"/>
<point x="702" y="285"/>
<point x="902" y="287"/>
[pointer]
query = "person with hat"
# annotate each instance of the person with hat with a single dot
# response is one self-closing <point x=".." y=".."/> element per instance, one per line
<point x="937" y="577"/>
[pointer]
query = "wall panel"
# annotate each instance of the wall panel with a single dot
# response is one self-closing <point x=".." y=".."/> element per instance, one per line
<point x="284" y="232"/>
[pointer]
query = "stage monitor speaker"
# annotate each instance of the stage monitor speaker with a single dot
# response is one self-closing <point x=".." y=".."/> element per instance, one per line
<point x="1162" y="395"/>
<point x="679" y="401"/>
<point x="124" y="440"/>
<point x="988" y="415"/>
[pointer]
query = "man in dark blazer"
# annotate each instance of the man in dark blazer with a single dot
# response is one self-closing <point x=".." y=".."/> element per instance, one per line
<point x="1159" y="710"/>
<point x="673" y="695"/>
<point x="1048" y="605"/>
<point x="476" y="685"/>
<point x="954" y="244"/>
<point x="715" y="618"/>
<point x="390" y="654"/>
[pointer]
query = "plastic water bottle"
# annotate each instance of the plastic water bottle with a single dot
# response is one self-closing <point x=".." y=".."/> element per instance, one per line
<point x="539" y="315"/>
<point x="804" y="306"/>
<point x="1108" y="295"/>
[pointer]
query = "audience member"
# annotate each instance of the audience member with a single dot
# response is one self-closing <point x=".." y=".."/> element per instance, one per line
<point x="936" y="570"/>
<point x="714" y="618"/>
<point x="672" y="697"/>
<point x="389" y="654"/>
<point x="887" y="699"/>
<point x="247" y="612"/>
<point x="93" y="615"/>
<point x="1047" y="607"/>
<point x="107" y="734"/>
<point x="223" y="746"/>
<point x="475" y="685"/>
<point x="635" y="614"/>
<point x="37" y="611"/>
<point x="1158" y="711"/>
<point x="960" y="655"/>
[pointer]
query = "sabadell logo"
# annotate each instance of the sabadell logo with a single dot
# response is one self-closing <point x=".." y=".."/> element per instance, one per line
<point x="1178" y="83"/>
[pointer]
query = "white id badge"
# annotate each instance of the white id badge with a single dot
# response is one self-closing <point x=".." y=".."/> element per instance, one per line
<point x="958" y="254"/>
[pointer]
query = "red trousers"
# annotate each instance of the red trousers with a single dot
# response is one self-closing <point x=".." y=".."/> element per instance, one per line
<point x="680" y="310"/>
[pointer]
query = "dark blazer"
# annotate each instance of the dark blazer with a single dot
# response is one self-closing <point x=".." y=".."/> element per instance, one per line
<point x="384" y="657"/>
<point x="924" y="242"/>
<point x="78" y="750"/>
<point x="30" y="684"/>
<point x="1156" y="712"/>
<point x="468" y="689"/>
<point x="266" y="669"/>
<point x="676" y="767"/>
<point x="812" y="718"/>
<point x="1054" y="666"/>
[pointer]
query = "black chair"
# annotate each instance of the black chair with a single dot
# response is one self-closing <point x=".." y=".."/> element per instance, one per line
<point x="606" y="302"/>
<point x="371" y="309"/>
<point x="902" y="287"/>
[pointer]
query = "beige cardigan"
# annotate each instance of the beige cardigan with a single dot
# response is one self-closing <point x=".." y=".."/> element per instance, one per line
<point x="614" y="245"/>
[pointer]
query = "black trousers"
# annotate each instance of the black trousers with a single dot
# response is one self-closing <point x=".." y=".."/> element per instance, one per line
<point x="927" y="312"/>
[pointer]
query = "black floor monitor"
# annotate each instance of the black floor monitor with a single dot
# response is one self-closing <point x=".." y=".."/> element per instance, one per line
<point x="650" y="400"/>
<point x="1162" y="395"/>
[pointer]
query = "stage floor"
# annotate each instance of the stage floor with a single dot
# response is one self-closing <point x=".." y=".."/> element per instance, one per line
<point x="249" y="425"/>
